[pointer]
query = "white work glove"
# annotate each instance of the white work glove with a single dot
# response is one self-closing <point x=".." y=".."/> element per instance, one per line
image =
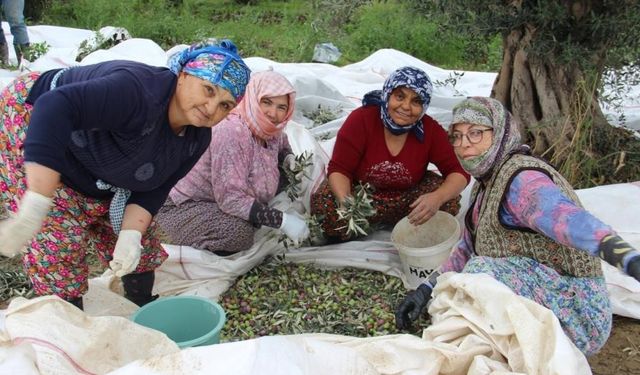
<point x="18" y="229"/>
<point x="126" y="255"/>
<point x="289" y="161"/>
<point x="294" y="227"/>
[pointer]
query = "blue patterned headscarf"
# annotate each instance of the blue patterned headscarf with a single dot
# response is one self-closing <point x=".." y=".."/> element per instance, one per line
<point x="216" y="62"/>
<point x="410" y="77"/>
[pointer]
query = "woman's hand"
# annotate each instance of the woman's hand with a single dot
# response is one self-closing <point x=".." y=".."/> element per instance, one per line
<point x="412" y="306"/>
<point x="619" y="253"/>
<point x="295" y="227"/>
<point x="16" y="231"/>
<point x="633" y="268"/>
<point x="423" y="208"/>
<point x="289" y="162"/>
<point x="340" y="186"/>
<point x="126" y="254"/>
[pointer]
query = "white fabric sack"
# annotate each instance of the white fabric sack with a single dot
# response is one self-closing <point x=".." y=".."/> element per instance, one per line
<point x="480" y="327"/>
<point x="67" y="341"/>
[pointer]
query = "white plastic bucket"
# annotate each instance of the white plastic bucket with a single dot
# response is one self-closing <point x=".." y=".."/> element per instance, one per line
<point x="424" y="247"/>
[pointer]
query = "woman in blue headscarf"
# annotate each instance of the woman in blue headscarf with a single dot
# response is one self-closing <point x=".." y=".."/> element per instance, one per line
<point x="90" y="153"/>
<point x="388" y="143"/>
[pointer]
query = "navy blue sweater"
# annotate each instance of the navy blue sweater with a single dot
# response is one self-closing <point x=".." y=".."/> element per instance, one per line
<point x="109" y="121"/>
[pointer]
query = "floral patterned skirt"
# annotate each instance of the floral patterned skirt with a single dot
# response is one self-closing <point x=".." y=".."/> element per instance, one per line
<point x="390" y="206"/>
<point x="581" y="304"/>
<point x="55" y="259"/>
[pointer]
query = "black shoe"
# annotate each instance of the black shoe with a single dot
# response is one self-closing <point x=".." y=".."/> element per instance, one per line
<point x="223" y="253"/>
<point x="138" y="287"/>
<point x="4" y="54"/>
<point x="77" y="302"/>
<point x="142" y="300"/>
<point x="21" y="50"/>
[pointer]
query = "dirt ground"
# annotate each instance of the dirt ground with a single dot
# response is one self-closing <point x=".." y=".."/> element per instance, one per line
<point x="621" y="353"/>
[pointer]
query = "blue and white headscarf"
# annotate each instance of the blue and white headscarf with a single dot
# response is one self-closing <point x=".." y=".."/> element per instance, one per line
<point x="216" y="62"/>
<point x="410" y="77"/>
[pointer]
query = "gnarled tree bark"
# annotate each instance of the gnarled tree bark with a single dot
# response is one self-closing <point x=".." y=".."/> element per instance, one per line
<point x="549" y="98"/>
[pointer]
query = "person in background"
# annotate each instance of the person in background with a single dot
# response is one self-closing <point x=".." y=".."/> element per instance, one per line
<point x="220" y="203"/>
<point x="13" y="11"/>
<point x="388" y="143"/>
<point x="527" y="229"/>
<point x="88" y="155"/>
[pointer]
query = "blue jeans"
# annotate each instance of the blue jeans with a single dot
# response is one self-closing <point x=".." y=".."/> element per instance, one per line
<point x="14" y="14"/>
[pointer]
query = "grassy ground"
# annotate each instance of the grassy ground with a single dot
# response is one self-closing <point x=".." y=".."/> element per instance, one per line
<point x="285" y="31"/>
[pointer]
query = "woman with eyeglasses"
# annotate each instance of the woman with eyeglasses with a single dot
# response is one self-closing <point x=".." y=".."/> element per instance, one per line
<point x="527" y="229"/>
<point x="88" y="155"/>
<point x="388" y="143"/>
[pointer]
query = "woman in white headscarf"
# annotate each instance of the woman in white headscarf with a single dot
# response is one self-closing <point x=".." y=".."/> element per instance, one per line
<point x="221" y="202"/>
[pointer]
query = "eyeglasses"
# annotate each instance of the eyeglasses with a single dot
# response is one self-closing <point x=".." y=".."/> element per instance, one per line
<point x="473" y="136"/>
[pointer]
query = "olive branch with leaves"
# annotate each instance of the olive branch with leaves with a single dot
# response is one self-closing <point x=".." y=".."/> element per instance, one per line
<point x="356" y="210"/>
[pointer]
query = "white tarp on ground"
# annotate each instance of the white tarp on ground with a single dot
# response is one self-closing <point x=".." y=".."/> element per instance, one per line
<point x="480" y="327"/>
<point x="472" y="333"/>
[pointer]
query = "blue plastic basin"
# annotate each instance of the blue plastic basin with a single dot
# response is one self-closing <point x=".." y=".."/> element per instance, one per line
<point x="187" y="320"/>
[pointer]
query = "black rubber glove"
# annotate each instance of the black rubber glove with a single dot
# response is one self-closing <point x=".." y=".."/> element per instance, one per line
<point x="411" y="307"/>
<point x="615" y="250"/>
<point x="633" y="268"/>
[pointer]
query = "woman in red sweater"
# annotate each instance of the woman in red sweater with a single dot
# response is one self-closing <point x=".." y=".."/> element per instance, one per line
<point x="388" y="143"/>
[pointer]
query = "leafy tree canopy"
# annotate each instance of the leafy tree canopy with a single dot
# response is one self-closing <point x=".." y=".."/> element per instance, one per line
<point x="597" y="34"/>
<point x="557" y="56"/>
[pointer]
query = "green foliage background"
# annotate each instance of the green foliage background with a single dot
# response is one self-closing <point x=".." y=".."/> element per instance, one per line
<point x="567" y="31"/>
<point x="452" y="34"/>
<point x="282" y="30"/>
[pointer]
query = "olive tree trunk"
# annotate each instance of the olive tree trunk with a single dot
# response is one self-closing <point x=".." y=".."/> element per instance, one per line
<point x="550" y="100"/>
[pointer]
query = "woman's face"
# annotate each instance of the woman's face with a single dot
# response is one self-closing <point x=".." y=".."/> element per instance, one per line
<point x="200" y="103"/>
<point x="275" y="107"/>
<point x="466" y="133"/>
<point x="405" y="106"/>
